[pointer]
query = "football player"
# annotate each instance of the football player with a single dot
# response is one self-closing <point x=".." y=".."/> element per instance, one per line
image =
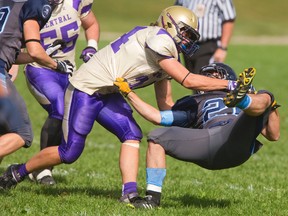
<point x="206" y="129"/>
<point x="61" y="31"/>
<point x="20" y="24"/>
<point x="145" y="55"/>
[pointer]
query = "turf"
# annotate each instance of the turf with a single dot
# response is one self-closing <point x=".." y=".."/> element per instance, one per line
<point x="92" y="185"/>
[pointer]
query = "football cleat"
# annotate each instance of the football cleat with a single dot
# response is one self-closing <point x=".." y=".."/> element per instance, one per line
<point x="128" y="197"/>
<point x="11" y="177"/>
<point x="43" y="177"/>
<point x="145" y="203"/>
<point x="243" y="86"/>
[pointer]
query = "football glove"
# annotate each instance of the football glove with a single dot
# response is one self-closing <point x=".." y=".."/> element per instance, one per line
<point x="58" y="44"/>
<point x="64" y="67"/>
<point x="123" y="86"/>
<point x="87" y="53"/>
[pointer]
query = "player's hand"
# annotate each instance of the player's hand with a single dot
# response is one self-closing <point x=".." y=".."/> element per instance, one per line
<point x="87" y="53"/>
<point x="64" y="66"/>
<point x="58" y="44"/>
<point x="123" y="86"/>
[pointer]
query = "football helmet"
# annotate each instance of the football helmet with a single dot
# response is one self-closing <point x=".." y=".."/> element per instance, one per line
<point x="54" y="3"/>
<point x="219" y="71"/>
<point x="182" y="24"/>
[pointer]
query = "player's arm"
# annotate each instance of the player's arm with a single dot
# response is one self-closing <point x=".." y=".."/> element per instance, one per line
<point x="192" y="81"/>
<point x="150" y="113"/>
<point x="92" y="34"/>
<point x="32" y="41"/>
<point x="13" y="72"/>
<point x="163" y="91"/>
<point x="272" y="129"/>
<point x="147" y="111"/>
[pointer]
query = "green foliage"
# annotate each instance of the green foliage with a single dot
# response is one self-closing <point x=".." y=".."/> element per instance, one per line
<point x="92" y="185"/>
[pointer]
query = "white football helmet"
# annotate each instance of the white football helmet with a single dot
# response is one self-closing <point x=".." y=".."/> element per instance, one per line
<point x="182" y="24"/>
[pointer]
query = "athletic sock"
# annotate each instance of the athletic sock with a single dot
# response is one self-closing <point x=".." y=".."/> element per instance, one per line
<point x="22" y="171"/>
<point x="155" y="178"/>
<point x="129" y="187"/>
<point x="245" y="102"/>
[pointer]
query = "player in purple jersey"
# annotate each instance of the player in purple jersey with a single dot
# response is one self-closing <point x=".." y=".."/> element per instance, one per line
<point x="202" y="130"/>
<point x="145" y="55"/>
<point x="20" y="23"/>
<point x="49" y="87"/>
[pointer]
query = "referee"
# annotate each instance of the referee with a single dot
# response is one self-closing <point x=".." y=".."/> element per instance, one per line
<point x="216" y="22"/>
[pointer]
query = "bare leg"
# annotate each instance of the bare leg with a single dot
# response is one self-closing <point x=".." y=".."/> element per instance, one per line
<point x="9" y="143"/>
<point x="260" y="102"/>
<point x="155" y="156"/>
<point x="45" y="158"/>
<point x="129" y="160"/>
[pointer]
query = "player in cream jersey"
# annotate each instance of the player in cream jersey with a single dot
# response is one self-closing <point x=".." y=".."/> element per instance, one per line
<point x="142" y="47"/>
<point x="145" y="55"/>
<point x="45" y="84"/>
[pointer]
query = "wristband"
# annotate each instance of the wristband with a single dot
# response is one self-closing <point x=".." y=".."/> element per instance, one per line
<point x="231" y="85"/>
<point x="92" y="43"/>
<point x="222" y="48"/>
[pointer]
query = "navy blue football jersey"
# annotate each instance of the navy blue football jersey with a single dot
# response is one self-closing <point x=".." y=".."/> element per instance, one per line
<point x="14" y="13"/>
<point x="202" y="110"/>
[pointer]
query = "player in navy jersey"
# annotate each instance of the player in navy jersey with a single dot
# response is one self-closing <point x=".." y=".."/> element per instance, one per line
<point x="49" y="87"/>
<point x="145" y="55"/>
<point x="20" y="23"/>
<point x="201" y="129"/>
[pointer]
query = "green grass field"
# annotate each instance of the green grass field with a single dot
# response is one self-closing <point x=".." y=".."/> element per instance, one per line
<point x="92" y="185"/>
<point x="254" y="17"/>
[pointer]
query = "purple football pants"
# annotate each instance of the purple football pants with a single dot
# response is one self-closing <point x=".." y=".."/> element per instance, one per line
<point x="48" y="87"/>
<point x="82" y="110"/>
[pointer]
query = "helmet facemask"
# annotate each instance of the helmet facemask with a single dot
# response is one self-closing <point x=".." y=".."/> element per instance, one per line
<point x="185" y="38"/>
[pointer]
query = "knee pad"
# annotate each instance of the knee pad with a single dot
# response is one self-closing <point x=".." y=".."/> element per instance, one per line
<point x="69" y="154"/>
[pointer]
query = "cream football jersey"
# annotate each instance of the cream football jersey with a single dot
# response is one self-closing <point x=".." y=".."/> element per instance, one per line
<point x="65" y="23"/>
<point x="133" y="56"/>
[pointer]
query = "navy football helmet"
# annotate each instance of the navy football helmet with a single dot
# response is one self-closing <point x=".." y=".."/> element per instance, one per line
<point x="219" y="71"/>
<point x="54" y="3"/>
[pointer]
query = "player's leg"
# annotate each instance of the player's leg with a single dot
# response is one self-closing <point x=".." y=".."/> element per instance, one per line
<point x="191" y="145"/>
<point x="238" y="97"/>
<point x="48" y="89"/>
<point x="259" y="103"/>
<point x="73" y="140"/>
<point x="116" y="117"/>
<point x="15" y="126"/>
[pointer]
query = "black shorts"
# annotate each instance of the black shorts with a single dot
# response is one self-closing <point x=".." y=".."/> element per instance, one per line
<point x="215" y="148"/>
<point x="13" y="113"/>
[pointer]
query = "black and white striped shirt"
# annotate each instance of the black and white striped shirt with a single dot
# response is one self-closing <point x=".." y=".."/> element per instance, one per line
<point x="211" y="14"/>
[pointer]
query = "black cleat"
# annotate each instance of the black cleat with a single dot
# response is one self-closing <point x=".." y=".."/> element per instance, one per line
<point x="243" y="86"/>
<point x="128" y="197"/>
<point x="145" y="203"/>
<point x="10" y="178"/>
